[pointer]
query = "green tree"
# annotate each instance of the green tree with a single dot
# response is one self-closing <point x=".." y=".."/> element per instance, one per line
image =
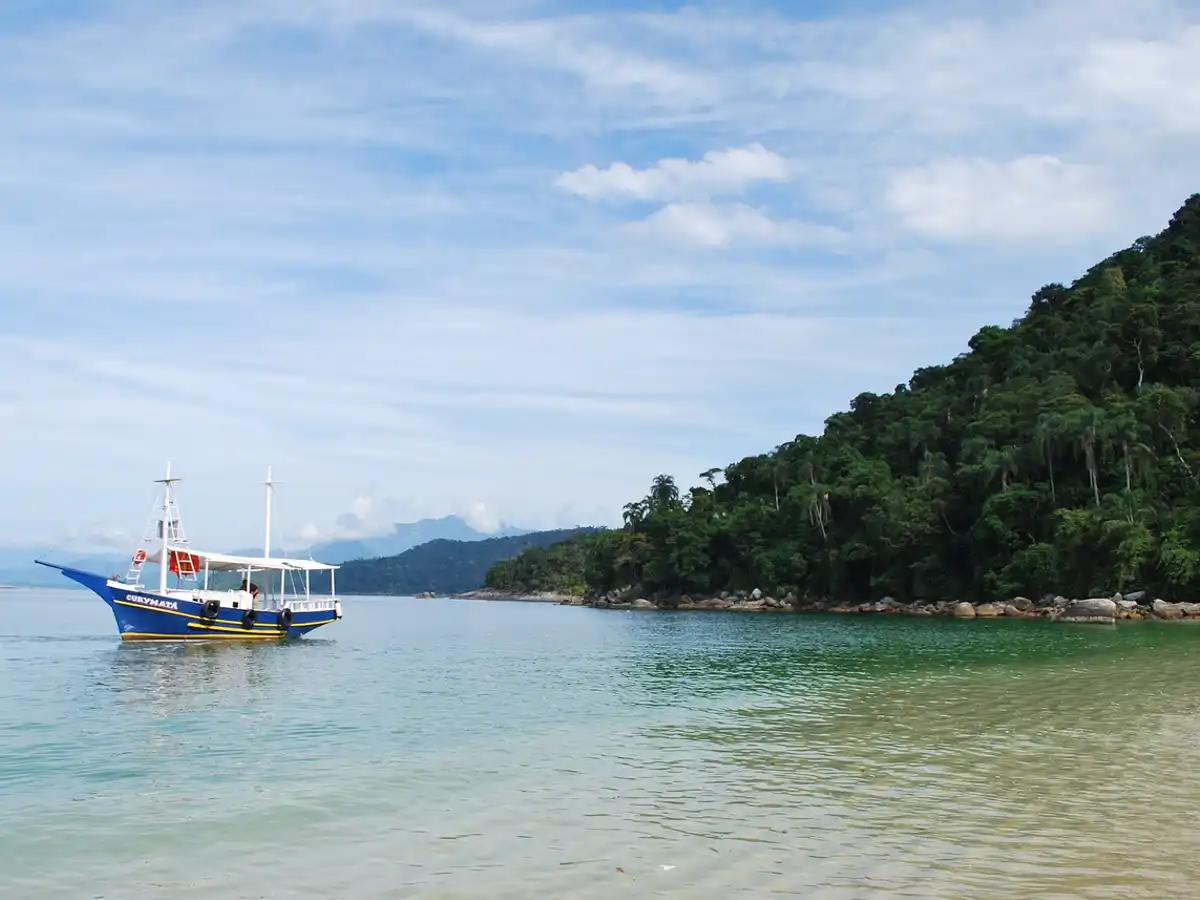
<point x="1061" y="453"/>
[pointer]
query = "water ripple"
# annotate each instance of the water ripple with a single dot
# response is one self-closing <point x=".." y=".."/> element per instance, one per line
<point x="430" y="749"/>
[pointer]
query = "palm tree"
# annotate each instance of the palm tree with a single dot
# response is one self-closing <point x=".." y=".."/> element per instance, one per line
<point x="1086" y="424"/>
<point x="1046" y="435"/>
<point x="663" y="492"/>
<point x="816" y="498"/>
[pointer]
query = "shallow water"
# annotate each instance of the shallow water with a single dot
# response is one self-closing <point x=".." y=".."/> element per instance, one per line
<point x="454" y="749"/>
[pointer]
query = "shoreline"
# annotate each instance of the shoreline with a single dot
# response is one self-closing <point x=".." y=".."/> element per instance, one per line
<point x="520" y="597"/>
<point x="1136" y="606"/>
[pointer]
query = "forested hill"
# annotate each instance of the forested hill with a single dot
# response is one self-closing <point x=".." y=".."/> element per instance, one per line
<point x="442" y="566"/>
<point x="1061" y="454"/>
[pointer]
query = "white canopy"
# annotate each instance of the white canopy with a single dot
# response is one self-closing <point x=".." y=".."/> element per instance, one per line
<point x="223" y="562"/>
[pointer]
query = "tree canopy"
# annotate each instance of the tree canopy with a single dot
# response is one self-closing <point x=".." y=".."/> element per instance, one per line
<point x="1060" y="454"/>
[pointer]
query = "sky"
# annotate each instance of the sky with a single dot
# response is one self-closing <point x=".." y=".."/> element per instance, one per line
<point x="512" y="259"/>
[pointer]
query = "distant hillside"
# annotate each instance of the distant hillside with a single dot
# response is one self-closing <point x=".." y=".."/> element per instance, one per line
<point x="404" y="536"/>
<point x="441" y="566"/>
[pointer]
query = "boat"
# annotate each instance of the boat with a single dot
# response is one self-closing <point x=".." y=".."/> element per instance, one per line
<point x="284" y="607"/>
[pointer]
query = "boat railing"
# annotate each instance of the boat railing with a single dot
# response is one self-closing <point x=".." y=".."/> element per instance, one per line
<point x="298" y="604"/>
<point x="268" y="604"/>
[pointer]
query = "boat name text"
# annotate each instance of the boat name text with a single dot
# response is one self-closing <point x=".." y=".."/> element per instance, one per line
<point x="143" y="600"/>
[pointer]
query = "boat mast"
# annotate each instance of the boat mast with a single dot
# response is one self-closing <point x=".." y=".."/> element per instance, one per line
<point x="165" y="529"/>
<point x="267" y="539"/>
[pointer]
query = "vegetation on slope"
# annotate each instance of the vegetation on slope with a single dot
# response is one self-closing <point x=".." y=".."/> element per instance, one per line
<point x="1059" y="454"/>
<point x="558" y="568"/>
<point x="442" y="566"/>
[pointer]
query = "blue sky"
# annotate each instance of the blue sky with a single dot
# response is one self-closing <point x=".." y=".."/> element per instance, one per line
<point x="512" y="259"/>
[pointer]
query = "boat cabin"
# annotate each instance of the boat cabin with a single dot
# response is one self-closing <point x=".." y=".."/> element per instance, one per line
<point x="277" y="582"/>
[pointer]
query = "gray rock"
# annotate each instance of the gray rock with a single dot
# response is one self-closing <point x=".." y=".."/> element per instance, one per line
<point x="1024" y="604"/>
<point x="1095" y="609"/>
<point x="756" y="594"/>
<point x="963" y="611"/>
<point x="1164" y="610"/>
<point x="1136" y="596"/>
<point x="641" y="603"/>
<point x="987" y="610"/>
<point x="1127" y="604"/>
<point x="1102" y="605"/>
<point x="1190" y="609"/>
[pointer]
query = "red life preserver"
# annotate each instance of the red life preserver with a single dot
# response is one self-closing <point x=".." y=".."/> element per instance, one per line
<point x="139" y="556"/>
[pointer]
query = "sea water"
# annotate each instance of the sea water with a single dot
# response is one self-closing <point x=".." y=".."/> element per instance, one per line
<point x="473" y="749"/>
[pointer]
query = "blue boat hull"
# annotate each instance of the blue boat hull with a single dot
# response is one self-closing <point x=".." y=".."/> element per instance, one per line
<point x="148" y="616"/>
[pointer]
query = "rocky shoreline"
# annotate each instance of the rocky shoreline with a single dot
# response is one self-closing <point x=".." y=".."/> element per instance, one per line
<point x="1134" y="606"/>
<point x="540" y="597"/>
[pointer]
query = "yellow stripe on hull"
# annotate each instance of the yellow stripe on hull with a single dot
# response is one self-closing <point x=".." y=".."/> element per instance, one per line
<point x="246" y="636"/>
<point x="233" y="629"/>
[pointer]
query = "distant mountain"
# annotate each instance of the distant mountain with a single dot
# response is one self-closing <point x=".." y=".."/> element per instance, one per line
<point x="442" y="566"/>
<point x="17" y="566"/>
<point x="404" y="536"/>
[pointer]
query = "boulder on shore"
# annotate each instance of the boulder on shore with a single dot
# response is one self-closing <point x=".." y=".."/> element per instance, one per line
<point x="1164" y="610"/>
<point x="963" y="610"/>
<point x="1100" y="610"/>
<point x="987" y="610"/>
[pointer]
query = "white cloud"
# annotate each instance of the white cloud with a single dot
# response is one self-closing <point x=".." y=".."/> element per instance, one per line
<point x="718" y="173"/>
<point x="329" y="234"/>
<point x="1033" y="198"/>
<point x="1155" y="81"/>
<point x="567" y="43"/>
<point x="481" y="518"/>
<point x="712" y="225"/>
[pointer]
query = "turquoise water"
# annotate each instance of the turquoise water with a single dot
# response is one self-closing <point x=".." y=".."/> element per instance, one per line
<point x="454" y="749"/>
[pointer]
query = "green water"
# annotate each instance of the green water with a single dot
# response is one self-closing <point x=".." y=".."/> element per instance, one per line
<point x="454" y="749"/>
